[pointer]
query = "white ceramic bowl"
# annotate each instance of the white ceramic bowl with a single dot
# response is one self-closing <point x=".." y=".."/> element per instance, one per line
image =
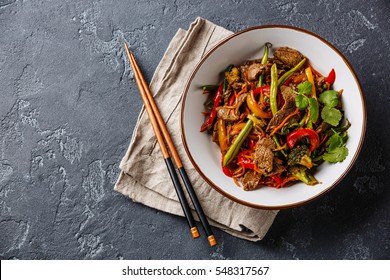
<point x="248" y="44"/>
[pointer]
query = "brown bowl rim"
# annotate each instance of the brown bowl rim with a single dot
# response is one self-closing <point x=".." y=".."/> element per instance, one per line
<point x="259" y="206"/>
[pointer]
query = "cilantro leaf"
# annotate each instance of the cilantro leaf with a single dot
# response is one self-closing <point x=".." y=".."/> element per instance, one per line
<point x="336" y="150"/>
<point x="331" y="115"/>
<point x="305" y="87"/>
<point x="330" y="98"/>
<point x="314" y="110"/>
<point x="301" y="101"/>
<point x="336" y="155"/>
<point x="335" y="141"/>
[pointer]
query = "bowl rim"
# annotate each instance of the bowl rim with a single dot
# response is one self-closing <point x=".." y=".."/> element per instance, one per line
<point x="259" y="206"/>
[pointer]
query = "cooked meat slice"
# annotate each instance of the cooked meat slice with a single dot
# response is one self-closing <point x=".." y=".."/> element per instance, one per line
<point x="288" y="56"/>
<point x="251" y="180"/>
<point x="254" y="70"/>
<point x="228" y="114"/>
<point x="264" y="156"/>
<point x="231" y="114"/>
<point x="247" y="67"/>
<point x="288" y="108"/>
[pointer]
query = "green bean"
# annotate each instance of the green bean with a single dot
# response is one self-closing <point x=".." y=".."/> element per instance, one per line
<point x="274" y="89"/>
<point x="289" y="73"/>
<point x="264" y="61"/>
<point x="235" y="147"/>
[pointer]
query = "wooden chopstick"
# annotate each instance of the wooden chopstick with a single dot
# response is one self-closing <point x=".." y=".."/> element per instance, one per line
<point x="175" y="180"/>
<point x="159" y="124"/>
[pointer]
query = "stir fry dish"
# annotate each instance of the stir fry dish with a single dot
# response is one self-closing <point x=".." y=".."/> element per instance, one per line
<point x="275" y="119"/>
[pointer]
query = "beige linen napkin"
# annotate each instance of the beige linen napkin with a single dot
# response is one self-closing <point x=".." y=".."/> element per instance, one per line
<point x="144" y="177"/>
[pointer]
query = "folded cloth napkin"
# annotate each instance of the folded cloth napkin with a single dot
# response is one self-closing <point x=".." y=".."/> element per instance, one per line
<point x="144" y="177"/>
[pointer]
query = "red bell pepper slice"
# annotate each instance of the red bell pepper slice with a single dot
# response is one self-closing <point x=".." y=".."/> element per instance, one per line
<point x="210" y="119"/>
<point x="331" y="77"/>
<point x="226" y="170"/>
<point x="231" y="100"/>
<point x="298" y="134"/>
<point x="246" y="162"/>
<point x="264" y="89"/>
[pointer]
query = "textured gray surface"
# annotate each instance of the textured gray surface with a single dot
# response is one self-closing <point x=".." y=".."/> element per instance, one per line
<point x="69" y="105"/>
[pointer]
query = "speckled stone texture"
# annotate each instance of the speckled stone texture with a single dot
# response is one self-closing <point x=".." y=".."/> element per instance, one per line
<point x="69" y="104"/>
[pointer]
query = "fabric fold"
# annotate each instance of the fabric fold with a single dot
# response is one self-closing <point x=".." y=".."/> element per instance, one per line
<point x="144" y="177"/>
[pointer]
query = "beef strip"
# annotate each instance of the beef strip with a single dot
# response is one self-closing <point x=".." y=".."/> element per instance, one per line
<point x="231" y="114"/>
<point x="264" y="156"/>
<point x="251" y="180"/>
<point x="254" y="71"/>
<point x="288" y="56"/>
<point x="251" y="70"/>
<point x="288" y="108"/>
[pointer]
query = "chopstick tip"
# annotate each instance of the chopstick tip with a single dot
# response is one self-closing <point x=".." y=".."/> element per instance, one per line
<point x="128" y="52"/>
<point x="125" y="46"/>
<point x="195" y="232"/>
<point x="212" y="240"/>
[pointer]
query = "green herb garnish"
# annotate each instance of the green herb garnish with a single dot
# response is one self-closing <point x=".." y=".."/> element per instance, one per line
<point x="302" y="101"/>
<point x="330" y="115"/>
<point x="336" y="150"/>
<point x="330" y="98"/>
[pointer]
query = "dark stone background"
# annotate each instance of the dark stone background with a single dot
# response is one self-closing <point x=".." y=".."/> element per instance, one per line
<point x="68" y="107"/>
